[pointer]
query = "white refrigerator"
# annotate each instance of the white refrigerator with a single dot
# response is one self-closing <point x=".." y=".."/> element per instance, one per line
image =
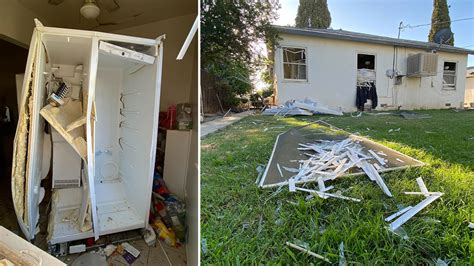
<point x="104" y="128"/>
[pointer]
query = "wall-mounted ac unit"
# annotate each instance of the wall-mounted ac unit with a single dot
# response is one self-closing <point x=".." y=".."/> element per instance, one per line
<point x="422" y="65"/>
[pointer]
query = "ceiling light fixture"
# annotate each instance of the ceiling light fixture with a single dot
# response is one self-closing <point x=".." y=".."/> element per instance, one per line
<point x="90" y="10"/>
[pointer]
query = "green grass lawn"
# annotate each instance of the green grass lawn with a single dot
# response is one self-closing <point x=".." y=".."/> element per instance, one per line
<point x="243" y="224"/>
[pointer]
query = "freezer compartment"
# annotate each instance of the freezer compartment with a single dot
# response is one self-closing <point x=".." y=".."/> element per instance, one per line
<point x="125" y="99"/>
<point x="69" y="60"/>
<point x="65" y="223"/>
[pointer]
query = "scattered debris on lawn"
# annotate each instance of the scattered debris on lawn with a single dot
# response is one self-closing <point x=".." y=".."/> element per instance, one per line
<point x="320" y="153"/>
<point x="440" y="262"/>
<point x="429" y="198"/>
<point x="413" y="115"/>
<point x="357" y="115"/>
<point x="301" y="107"/>
<point x="260" y="169"/>
<point x="204" y="246"/>
<point x="471" y="225"/>
<point x="307" y="251"/>
<point x="380" y="113"/>
<point x="394" y="130"/>
<point x="342" y="257"/>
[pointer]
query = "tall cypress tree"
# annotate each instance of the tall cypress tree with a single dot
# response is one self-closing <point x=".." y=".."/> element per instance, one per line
<point x="313" y="14"/>
<point x="440" y="19"/>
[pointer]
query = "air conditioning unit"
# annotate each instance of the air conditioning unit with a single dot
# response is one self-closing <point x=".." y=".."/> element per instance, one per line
<point x="422" y="65"/>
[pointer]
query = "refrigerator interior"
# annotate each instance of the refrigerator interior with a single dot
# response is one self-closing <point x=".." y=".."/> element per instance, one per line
<point x="67" y="58"/>
<point x="124" y="132"/>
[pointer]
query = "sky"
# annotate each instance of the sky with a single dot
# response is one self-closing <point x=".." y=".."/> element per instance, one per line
<point x="382" y="17"/>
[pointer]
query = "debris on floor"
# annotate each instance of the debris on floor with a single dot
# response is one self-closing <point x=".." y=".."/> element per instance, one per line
<point x="413" y="116"/>
<point x="307" y="251"/>
<point x="301" y="107"/>
<point x="90" y="258"/>
<point x="168" y="214"/>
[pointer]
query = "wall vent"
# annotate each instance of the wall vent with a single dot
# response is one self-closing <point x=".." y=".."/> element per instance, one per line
<point x="422" y="65"/>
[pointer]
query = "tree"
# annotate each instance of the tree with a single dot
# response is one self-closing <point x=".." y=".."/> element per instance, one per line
<point x="440" y="19"/>
<point x="313" y="14"/>
<point x="230" y="30"/>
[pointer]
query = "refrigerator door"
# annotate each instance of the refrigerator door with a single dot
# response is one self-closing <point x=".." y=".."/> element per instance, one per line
<point x="90" y="133"/>
<point x="25" y="189"/>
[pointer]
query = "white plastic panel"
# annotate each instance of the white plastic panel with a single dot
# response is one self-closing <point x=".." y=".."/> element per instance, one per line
<point x="66" y="163"/>
<point x="91" y="115"/>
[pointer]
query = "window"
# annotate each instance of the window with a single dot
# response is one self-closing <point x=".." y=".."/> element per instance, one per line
<point x="365" y="61"/>
<point x="449" y="75"/>
<point x="294" y="63"/>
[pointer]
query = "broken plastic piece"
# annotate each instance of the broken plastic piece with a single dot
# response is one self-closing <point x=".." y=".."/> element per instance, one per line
<point x="77" y="249"/>
<point x="291" y="185"/>
<point x="342" y="258"/>
<point x="309" y="252"/>
<point x="432" y="196"/>
<point x="325" y="195"/>
<point x="398" y="213"/>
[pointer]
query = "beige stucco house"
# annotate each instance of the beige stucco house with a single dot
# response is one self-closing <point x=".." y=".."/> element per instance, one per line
<point x="328" y="65"/>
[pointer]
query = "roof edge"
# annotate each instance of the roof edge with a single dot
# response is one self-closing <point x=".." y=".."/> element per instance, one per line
<point x="369" y="38"/>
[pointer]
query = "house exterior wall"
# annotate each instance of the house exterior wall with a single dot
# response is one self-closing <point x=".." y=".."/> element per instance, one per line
<point x="469" y="90"/>
<point x="332" y="74"/>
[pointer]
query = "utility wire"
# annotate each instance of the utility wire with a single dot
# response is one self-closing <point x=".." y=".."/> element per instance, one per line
<point x="429" y="24"/>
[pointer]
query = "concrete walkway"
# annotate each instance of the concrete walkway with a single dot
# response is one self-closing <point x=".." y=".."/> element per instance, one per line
<point x="216" y="124"/>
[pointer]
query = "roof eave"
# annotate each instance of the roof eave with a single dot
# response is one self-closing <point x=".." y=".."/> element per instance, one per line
<point x="426" y="46"/>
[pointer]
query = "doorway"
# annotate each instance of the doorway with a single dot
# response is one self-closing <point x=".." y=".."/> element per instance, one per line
<point x="12" y="62"/>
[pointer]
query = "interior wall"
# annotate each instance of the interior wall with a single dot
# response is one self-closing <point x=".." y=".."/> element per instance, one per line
<point x="175" y="86"/>
<point x="192" y="182"/>
<point x="17" y="22"/>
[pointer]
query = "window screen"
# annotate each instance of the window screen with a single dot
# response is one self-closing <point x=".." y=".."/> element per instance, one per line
<point x="449" y="75"/>
<point x="294" y="63"/>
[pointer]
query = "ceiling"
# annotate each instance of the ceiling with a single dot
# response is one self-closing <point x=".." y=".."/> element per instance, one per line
<point x="114" y="15"/>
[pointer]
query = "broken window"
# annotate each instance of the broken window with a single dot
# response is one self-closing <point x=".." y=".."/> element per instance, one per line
<point x="449" y="75"/>
<point x="294" y="63"/>
<point x="366" y="61"/>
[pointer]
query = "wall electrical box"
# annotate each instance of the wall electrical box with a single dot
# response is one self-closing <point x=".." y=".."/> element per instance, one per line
<point x="422" y="65"/>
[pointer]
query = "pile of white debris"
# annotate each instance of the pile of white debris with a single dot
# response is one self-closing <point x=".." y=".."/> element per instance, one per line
<point x="332" y="158"/>
<point x="301" y="107"/>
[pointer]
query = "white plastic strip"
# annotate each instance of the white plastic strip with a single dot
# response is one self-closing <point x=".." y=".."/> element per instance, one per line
<point x="188" y="40"/>
<point x="127" y="54"/>
<point x="422" y="186"/>
<point x="398" y="213"/>
<point x="410" y="213"/>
